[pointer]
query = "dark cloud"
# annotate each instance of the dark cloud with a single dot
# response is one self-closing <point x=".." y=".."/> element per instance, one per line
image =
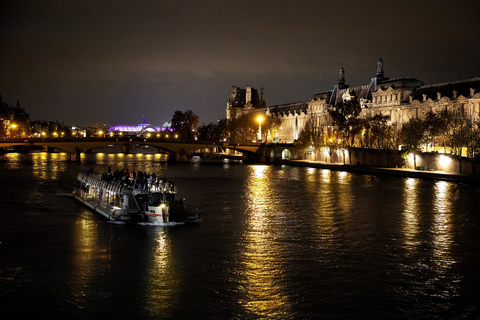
<point x="88" y="62"/>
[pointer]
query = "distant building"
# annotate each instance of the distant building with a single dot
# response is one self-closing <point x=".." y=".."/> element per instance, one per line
<point x="242" y="101"/>
<point x="400" y="98"/>
<point x="14" y="121"/>
<point x="143" y="129"/>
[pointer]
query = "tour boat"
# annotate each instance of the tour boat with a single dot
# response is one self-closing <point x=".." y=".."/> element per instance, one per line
<point x="129" y="201"/>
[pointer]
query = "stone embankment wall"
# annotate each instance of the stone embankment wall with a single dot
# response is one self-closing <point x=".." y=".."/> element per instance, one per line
<point x="424" y="161"/>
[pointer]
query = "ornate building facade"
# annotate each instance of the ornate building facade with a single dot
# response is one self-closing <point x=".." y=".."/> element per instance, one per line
<point x="400" y="98"/>
<point x="14" y="121"/>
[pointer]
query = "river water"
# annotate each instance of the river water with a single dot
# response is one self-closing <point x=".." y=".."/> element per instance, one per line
<point x="276" y="242"/>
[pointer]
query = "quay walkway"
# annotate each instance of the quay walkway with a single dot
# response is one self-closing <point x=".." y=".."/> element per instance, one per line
<point x="399" y="172"/>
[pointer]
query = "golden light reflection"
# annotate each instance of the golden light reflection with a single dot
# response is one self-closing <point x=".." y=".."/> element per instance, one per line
<point x="39" y="169"/>
<point x="58" y="164"/>
<point x="264" y="295"/>
<point x="164" y="284"/>
<point x="344" y="176"/>
<point x="85" y="259"/>
<point x="259" y="171"/>
<point x="442" y="233"/>
<point x="410" y="213"/>
<point x="326" y="175"/>
<point x="311" y="175"/>
<point x="324" y="201"/>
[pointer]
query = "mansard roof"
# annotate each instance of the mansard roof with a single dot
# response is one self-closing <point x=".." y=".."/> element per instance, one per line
<point x="398" y="83"/>
<point x="360" y="92"/>
<point x="297" y="107"/>
<point x="446" y="89"/>
<point x="325" y="95"/>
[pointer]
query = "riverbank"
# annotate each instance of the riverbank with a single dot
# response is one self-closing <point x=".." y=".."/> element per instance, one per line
<point x="363" y="169"/>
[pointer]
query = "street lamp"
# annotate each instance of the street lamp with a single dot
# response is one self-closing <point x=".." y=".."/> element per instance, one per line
<point x="260" y="119"/>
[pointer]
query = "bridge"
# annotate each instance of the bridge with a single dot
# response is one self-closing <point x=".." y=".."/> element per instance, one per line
<point x="176" y="150"/>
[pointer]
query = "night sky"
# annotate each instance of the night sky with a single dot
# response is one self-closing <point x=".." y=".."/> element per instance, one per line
<point x="91" y="62"/>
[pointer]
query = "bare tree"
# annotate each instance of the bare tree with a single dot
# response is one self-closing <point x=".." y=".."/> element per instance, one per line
<point x="313" y="135"/>
<point x="413" y="136"/>
<point x="346" y="117"/>
<point x="185" y="124"/>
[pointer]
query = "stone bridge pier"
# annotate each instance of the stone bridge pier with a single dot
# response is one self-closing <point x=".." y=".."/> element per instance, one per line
<point x="75" y="155"/>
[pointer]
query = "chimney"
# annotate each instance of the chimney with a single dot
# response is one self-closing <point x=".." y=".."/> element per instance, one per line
<point x="262" y="94"/>
<point x="341" y="78"/>
<point x="455" y="94"/>
<point x="439" y="96"/>
<point x="472" y="92"/>
<point x="248" y="95"/>
<point x="234" y="92"/>
<point x="380" y="68"/>
<point x="424" y="97"/>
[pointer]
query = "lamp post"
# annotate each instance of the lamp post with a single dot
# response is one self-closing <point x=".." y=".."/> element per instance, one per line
<point x="260" y="119"/>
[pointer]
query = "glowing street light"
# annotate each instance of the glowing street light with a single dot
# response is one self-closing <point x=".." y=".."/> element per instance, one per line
<point x="260" y="119"/>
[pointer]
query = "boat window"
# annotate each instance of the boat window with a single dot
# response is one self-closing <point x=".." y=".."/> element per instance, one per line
<point x="156" y="199"/>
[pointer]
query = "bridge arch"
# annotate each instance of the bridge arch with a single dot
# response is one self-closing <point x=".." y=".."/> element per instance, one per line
<point x="286" y="154"/>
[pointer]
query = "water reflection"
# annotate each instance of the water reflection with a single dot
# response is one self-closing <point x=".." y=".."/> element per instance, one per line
<point x="320" y="191"/>
<point x="441" y="229"/>
<point x="145" y="162"/>
<point x="262" y="283"/>
<point x="410" y="214"/>
<point x="85" y="260"/>
<point x="163" y="292"/>
<point x="13" y="161"/>
<point x="344" y="176"/>
<point x="39" y="168"/>
<point x="326" y="174"/>
<point x="48" y="165"/>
